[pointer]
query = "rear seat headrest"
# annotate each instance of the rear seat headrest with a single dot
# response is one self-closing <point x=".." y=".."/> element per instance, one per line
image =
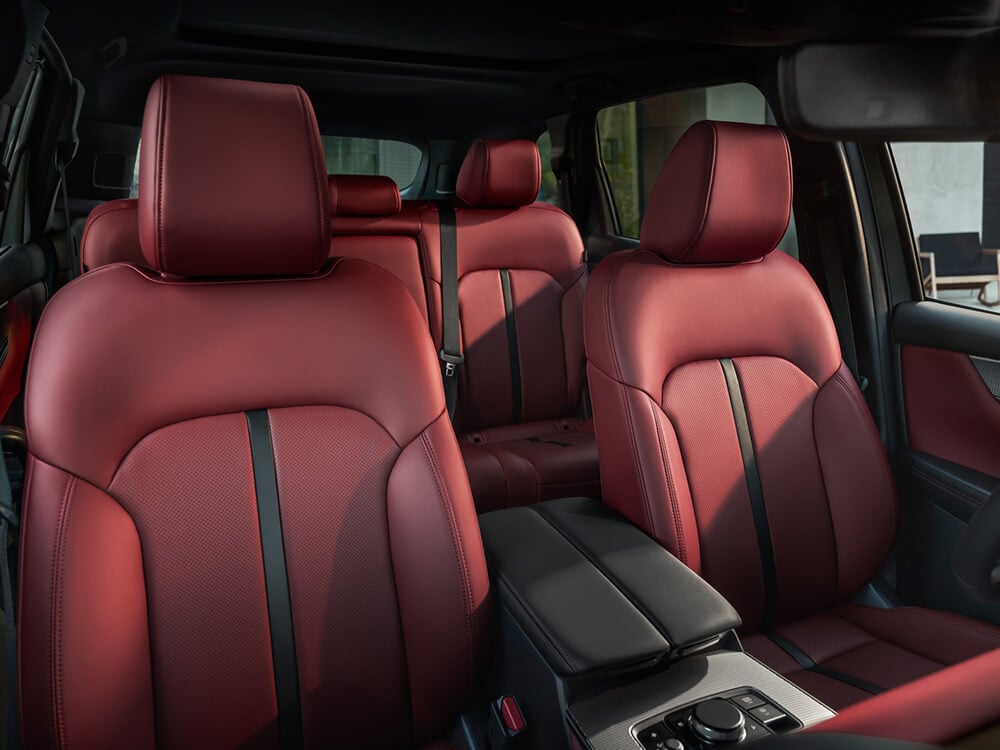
<point x="363" y="195"/>
<point x="500" y="174"/>
<point x="724" y="195"/>
<point x="111" y="235"/>
<point x="232" y="180"/>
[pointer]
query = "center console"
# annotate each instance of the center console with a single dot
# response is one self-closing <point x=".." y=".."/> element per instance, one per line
<point x="610" y="643"/>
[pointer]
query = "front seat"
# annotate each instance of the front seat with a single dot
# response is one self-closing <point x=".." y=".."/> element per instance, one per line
<point x="247" y="522"/>
<point x="731" y="431"/>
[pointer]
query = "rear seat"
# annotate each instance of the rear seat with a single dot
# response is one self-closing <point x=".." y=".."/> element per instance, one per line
<point x="371" y="223"/>
<point x="521" y="387"/>
<point x="517" y="451"/>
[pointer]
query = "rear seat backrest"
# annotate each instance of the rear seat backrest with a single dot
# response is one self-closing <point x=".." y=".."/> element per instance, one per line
<point x="370" y="222"/>
<point x="527" y="365"/>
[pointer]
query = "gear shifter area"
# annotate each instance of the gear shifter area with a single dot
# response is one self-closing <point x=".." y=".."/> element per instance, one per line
<point x="731" y="718"/>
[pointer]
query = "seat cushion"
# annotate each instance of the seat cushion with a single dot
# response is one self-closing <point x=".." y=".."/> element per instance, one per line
<point x="531" y="462"/>
<point x="883" y="648"/>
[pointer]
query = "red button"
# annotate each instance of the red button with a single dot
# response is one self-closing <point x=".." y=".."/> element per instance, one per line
<point x="511" y="714"/>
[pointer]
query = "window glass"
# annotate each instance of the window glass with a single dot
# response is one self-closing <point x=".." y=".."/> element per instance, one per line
<point x="549" y="192"/>
<point x="952" y="194"/>
<point x="636" y="138"/>
<point x="372" y="156"/>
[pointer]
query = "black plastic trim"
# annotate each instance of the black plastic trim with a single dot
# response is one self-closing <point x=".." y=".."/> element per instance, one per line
<point x="279" y="606"/>
<point x="940" y="325"/>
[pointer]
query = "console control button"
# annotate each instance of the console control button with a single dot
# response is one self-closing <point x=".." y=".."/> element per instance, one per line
<point x="674" y="744"/>
<point x="756" y="730"/>
<point x="767" y="713"/>
<point x="679" y="721"/>
<point x="748" y="701"/>
<point x="654" y="737"/>
<point x="718" y="720"/>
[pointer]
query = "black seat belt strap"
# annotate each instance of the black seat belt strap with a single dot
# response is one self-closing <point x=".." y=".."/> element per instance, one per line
<point x="451" y="337"/>
<point x="9" y="525"/>
<point x="840" y="306"/>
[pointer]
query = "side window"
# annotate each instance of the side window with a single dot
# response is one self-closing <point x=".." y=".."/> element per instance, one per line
<point x="636" y="137"/>
<point x="549" y="192"/>
<point x="952" y="194"/>
<point x="373" y="156"/>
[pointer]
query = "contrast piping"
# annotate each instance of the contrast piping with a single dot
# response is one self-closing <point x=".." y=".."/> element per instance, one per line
<point x="279" y="605"/>
<point x="515" y="358"/>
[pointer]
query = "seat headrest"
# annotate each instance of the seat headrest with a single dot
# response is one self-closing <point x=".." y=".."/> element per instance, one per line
<point x="724" y="195"/>
<point x="232" y="180"/>
<point x="363" y="195"/>
<point x="500" y="174"/>
<point x="111" y="235"/>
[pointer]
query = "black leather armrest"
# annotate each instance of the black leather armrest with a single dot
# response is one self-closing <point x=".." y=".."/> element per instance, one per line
<point x="594" y="592"/>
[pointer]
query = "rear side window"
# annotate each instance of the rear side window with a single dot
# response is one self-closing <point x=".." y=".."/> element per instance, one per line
<point x="952" y="194"/>
<point x="636" y="137"/>
<point x="373" y="156"/>
<point x="549" y="192"/>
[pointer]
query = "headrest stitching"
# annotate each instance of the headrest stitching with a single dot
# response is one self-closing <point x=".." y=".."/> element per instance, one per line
<point x="709" y="193"/>
<point x="161" y="147"/>
<point x="311" y="139"/>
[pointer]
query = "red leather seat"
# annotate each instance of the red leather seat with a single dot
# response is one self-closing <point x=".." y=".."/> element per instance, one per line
<point x="111" y="235"/>
<point x="702" y="325"/>
<point x="522" y="438"/>
<point x="235" y="502"/>
<point x="370" y="222"/>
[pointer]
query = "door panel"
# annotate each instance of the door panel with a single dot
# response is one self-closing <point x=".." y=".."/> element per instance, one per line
<point x="950" y="370"/>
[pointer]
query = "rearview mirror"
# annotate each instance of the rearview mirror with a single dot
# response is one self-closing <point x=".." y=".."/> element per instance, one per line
<point x="916" y="89"/>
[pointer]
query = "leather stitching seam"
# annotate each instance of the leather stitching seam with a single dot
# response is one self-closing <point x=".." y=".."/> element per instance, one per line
<point x="456" y="540"/>
<point x="671" y="490"/>
<point x="55" y="612"/>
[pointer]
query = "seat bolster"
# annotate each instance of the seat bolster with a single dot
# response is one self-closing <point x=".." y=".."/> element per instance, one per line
<point x="939" y="709"/>
<point x="82" y="615"/>
<point x="642" y="472"/>
<point x="858" y="481"/>
<point x="441" y="578"/>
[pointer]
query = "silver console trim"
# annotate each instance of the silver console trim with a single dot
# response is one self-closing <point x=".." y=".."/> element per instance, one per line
<point x="606" y="720"/>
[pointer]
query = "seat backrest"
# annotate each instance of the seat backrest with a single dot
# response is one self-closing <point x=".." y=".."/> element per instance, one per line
<point x="521" y="281"/>
<point x="703" y="325"/>
<point x="111" y="235"/>
<point x="235" y="536"/>
<point x="370" y="222"/>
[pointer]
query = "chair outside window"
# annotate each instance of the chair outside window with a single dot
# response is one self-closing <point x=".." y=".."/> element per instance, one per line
<point x="958" y="261"/>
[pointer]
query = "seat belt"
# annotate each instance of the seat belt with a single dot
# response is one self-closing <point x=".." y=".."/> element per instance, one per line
<point x="840" y="306"/>
<point x="9" y="525"/>
<point x="451" y="338"/>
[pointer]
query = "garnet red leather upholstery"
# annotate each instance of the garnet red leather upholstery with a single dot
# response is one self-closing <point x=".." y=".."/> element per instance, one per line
<point x="111" y="235"/>
<point x="706" y="224"/>
<point x="941" y="709"/>
<point x="546" y="451"/>
<point x="363" y="195"/>
<point x="499" y="174"/>
<point x="656" y="332"/>
<point x="143" y="611"/>
<point x="950" y="411"/>
<point x="183" y="210"/>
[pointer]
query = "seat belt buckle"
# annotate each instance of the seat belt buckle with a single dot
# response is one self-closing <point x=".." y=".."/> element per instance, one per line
<point x="451" y="362"/>
<point x="507" y="722"/>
